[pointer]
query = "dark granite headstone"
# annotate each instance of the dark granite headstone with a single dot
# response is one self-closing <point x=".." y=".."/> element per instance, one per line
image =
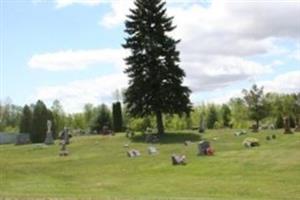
<point x="65" y="140"/>
<point x="202" y="147"/>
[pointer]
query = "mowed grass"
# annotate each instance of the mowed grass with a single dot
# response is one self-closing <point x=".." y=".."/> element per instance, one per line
<point x="98" y="168"/>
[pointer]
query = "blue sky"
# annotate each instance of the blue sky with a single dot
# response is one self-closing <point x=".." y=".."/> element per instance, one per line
<point x="71" y="49"/>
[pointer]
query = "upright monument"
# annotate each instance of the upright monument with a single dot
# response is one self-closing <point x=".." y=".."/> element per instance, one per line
<point x="49" y="137"/>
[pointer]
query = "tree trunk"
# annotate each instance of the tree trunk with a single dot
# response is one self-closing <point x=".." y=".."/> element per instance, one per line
<point x="257" y="125"/>
<point x="159" y="123"/>
<point x="287" y="128"/>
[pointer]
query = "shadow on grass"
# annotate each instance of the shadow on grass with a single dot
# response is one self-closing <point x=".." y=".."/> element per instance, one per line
<point x="171" y="138"/>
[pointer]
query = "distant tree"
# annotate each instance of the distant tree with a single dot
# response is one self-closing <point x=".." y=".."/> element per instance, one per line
<point x="10" y="116"/>
<point x="239" y="116"/>
<point x="39" y="122"/>
<point x="50" y="116"/>
<point x="89" y="113"/>
<point x="212" y="116"/>
<point x="103" y="118"/>
<point x="297" y="109"/>
<point x="140" y="124"/>
<point x="279" y="121"/>
<point x="26" y="120"/>
<point x="58" y="116"/>
<point x="78" y="121"/>
<point x="155" y="85"/>
<point x="117" y="117"/>
<point x="256" y="104"/>
<point x="188" y="122"/>
<point x="226" y="115"/>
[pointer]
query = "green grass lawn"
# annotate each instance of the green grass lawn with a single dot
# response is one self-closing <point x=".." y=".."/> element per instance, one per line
<point x="98" y="168"/>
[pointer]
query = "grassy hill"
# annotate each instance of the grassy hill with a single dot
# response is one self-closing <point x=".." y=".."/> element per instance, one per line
<point x="98" y="168"/>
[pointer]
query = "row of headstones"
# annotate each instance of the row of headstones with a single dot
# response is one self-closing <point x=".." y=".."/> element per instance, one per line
<point x="286" y="126"/>
<point x="204" y="148"/>
<point x="150" y="135"/>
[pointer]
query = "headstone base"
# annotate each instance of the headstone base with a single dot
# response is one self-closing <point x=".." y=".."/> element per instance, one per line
<point x="49" y="139"/>
<point x="63" y="153"/>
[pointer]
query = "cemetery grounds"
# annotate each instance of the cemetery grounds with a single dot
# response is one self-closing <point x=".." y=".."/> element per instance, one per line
<point x="98" y="168"/>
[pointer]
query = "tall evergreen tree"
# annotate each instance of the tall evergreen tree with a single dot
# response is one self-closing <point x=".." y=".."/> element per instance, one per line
<point x="256" y="103"/>
<point x="117" y="117"/>
<point x="155" y="85"/>
<point x="39" y="122"/>
<point x="26" y="120"/>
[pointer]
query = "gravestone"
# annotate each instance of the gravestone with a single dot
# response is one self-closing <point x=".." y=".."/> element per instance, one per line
<point x="133" y="153"/>
<point x="254" y="128"/>
<point x="251" y="142"/>
<point x="65" y="135"/>
<point x="202" y="147"/>
<point x="239" y="133"/>
<point x="178" y="159"/>
<point x="271" y="126"/>
<point x="287" y="127"/>
<point x="49" y="138"/>
<point x="65" y="140"/>
<point x="106" y="130"/>
<point x="63" y="149"/>
<point x="129" y="133"/>
<point x="202" y="126"/>
<point x="187" y="142"/>
<point x="152" y="150"/>
<point x="151" y="138"/>
<point x="23" y="138"/>
<point x="297" y="127"/>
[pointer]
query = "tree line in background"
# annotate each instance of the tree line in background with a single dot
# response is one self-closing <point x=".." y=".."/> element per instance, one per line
<point x="254" y="109"/>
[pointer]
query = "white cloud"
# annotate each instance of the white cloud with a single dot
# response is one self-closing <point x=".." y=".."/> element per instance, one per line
<point x="240" y="29"/>
<point x="76" y="60"/>
<point x="217" y="47"/>
<point x="288" y="82"/>
<point x="75" y="94"/>
<point x="213" y="72"/>
<point x="65" y="3"/>
<point x="120" y="8"/>
<point x="222" y="96"/>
